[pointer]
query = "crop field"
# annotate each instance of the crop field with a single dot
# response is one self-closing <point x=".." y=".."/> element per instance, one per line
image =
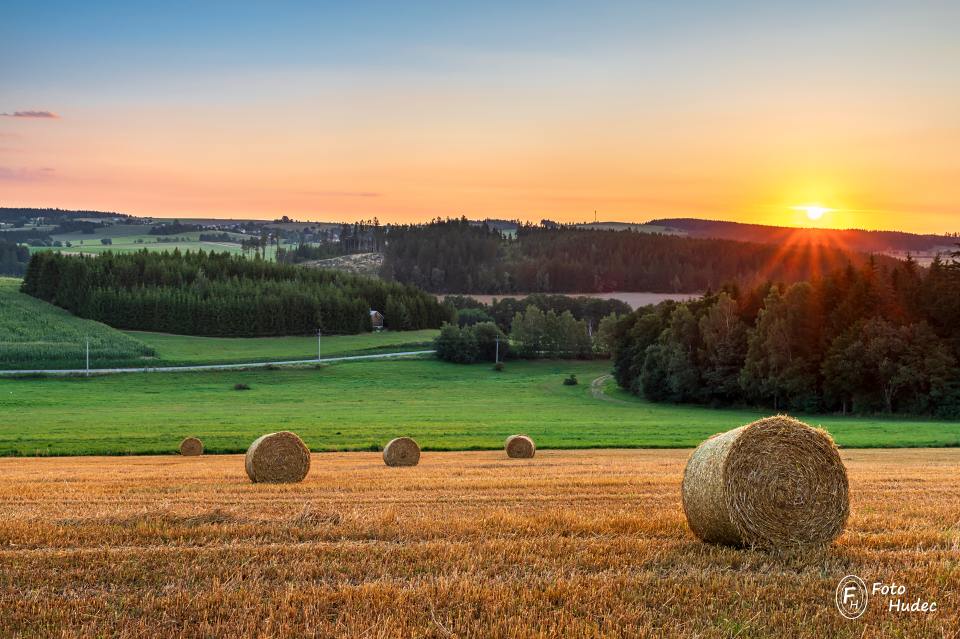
<point x="362" y="405"/>
<point x="34" y="332"/>
<point x="570" y="543"/>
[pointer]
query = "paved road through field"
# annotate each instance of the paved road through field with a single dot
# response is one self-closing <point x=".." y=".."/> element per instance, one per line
<point x="209" y="367"/>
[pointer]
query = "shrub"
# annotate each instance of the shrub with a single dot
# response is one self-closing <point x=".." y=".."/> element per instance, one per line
<point x="471" y="343"/>
<point x="571" y="380"/>
<point x="239" y="387"/>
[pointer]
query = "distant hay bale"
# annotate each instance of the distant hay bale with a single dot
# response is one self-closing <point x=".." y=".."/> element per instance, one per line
<point x="191" y="446"/>
<point x="520" y="447"/>
<point x="774" y="483"/>
<point x="401" y="451"/>
<point x="278" y="458"/>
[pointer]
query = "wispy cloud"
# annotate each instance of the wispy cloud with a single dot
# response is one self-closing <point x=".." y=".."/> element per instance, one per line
<point x="342" y="193"/>
<point x="32" y="114"/>
<point x="22" y="174"/>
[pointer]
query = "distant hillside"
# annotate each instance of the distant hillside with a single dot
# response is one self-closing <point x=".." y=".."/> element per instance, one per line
<point x="851" y="239"/>
<point x="630" y="226"/>
<point x="357" y="263"/>
<point x="457" y="256"/>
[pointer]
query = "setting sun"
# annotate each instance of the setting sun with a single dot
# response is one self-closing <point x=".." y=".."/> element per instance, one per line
<point x="814" y="211"/>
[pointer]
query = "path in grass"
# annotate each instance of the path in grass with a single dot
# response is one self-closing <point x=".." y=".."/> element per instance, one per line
<point x="362" y="405"/>
<point x="596" y="389"/>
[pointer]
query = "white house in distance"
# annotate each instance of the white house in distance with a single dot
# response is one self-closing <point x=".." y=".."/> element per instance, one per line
<point x="376" y="320"/>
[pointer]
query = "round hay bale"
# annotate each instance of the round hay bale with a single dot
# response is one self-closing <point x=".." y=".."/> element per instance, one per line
<point x="191" y="446"/>
<point x="774" y="483"/>
<point x="520" y="447"/>
<point x="401" y="451"/>
<point x="278" y="458"/>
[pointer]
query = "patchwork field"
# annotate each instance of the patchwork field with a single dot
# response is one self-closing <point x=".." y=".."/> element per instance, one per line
<point x="571" y="543"/>
<point x="362" y="405"/>
<point x="126" y="238"/>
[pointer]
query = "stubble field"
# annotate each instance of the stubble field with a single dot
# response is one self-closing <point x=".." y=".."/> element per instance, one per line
<point x="572" y="543"/>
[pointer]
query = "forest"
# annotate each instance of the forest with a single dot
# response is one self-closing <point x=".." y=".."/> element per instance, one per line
<point x="865" y="339"/>
<point x="457" y="256"/>
<point x="216" y="294"/>
<point x="13" y="258"/>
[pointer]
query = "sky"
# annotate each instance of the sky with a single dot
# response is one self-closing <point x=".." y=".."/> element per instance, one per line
<point x="407" y="111"/>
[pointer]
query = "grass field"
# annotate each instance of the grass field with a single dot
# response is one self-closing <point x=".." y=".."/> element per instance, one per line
<point x="185" y="349"/>
<point x="568" y="544"/>
<point x="34" y="332"/>
<point x="362" y="405"/>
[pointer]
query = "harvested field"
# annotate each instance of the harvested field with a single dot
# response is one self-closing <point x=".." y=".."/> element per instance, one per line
<point x="571" y="543"/>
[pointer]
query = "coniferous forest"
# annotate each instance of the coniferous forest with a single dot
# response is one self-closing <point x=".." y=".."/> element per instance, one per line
<point x="457" y="256"/>
<point x="861" y="339"/>
<point x="222" y="295"/>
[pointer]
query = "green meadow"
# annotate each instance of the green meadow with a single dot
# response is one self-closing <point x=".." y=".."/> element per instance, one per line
<point x="175" y="350"/>
<point x="38" y="335"/>
<point x="362" y="405"/>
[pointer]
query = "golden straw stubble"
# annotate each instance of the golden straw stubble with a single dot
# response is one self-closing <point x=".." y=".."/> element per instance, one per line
<point x="191" y="446"/>
<point x="520" y="447"/>
<point x="773" y="483"/>
<point x="401" y="451"/>
<point x="278" y="458"/>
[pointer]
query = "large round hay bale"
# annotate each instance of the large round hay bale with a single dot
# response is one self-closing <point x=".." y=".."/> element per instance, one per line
<point x="520" y="447"/>
<point x="278" y="458"/>
<point x="774" y="483"/>
<point x="401" y="451"/>
<point x="191" y="446"/>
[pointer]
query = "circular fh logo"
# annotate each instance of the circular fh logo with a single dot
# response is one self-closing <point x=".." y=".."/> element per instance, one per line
<point x="851" y="597"/>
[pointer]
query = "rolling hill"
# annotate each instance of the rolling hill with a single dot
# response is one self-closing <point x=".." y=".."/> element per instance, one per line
<point x="888" y="242"/>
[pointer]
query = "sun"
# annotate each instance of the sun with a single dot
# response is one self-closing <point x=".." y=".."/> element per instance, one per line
<point x="814" y="211"/>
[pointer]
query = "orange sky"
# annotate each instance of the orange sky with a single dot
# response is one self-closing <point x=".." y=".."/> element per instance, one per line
<point x="692" y="120"/>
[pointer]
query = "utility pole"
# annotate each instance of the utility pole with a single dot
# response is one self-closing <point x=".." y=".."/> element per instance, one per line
<point x="318" y="344"/>
<point x="88" y="357"/>
<point x="496" y="358"/>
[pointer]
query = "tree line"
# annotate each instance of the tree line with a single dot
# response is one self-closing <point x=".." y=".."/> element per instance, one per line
<point x="199" y="293"/>
<point x="458" y="256"/>
<point x="534" y="334"/>
<point x="860" y="339"/>
<point x="502" y="311"/>
<point x="537" y="326"/>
